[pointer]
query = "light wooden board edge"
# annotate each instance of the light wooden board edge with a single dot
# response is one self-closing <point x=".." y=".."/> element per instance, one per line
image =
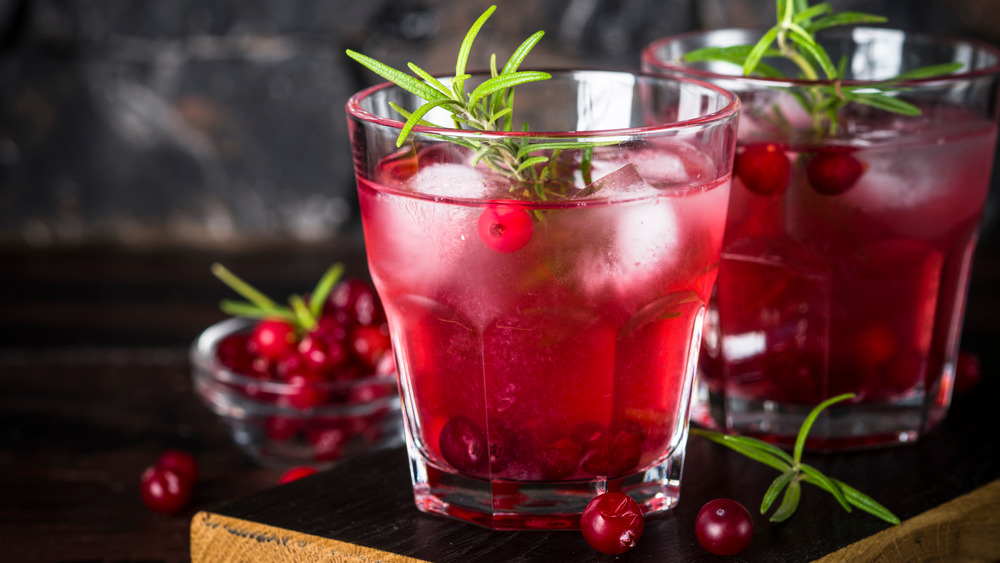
<point x="964" y="529"/>
<point x="217" y="538"/>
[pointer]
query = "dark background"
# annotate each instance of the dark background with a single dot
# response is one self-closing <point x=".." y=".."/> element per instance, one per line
<point x="220" y="123"/>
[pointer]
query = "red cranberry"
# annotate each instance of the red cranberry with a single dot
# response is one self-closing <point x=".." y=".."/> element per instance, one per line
<point x="273" y="339"/>
<point x="626" y="451"/>
<point x="763" y="168"/>
<point x="560" y="459"/>
<point x="463" y="445"/>
<point x="505" y="228"/>
<point x="163" y="490"/>
<point x="296" y="473"/>
<point x="327" y="443"/>
<point x="370" y="343"/>
<point x="723" y="527"/>
<point x="833" y="172"/>
<point x="358" y="298"/>
<point x="612" y="523"/>
<point x="321" y="357"/>
<point x="304" y="391"/>
<point x="968" y="372"/>
<point x="232" y="352"/>
<point x="283" y="428"/>
<point x="181" y="462"/>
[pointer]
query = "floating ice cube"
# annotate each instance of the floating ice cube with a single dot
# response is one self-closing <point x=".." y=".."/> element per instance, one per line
<point x="450" y="180"/>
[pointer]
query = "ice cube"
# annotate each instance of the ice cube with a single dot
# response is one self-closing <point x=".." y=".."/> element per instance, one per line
<point x="625" y="180"/>
<point x="451" y="180"/>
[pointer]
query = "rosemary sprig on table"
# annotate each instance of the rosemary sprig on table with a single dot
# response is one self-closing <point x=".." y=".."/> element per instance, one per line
<point x="793" y="38"/>
<point x="794" y="472"/>
<point x="488" y="108"/>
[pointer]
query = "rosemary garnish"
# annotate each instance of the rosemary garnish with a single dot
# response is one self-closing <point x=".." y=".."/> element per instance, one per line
<point x="793" y="38"/>
<point x="299" y="313"/>
<point x="794" y="472"/>
<point x="488" y="108"/>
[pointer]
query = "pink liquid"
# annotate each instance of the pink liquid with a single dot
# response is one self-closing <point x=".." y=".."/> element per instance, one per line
<point x="861" y="292"/>
<point x="569" y="359"/>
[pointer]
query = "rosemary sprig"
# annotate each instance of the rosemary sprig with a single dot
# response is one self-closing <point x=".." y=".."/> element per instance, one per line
<point x="794" y="472"/>
<point x="793" y="38"/>
<point x="488" y="108"/>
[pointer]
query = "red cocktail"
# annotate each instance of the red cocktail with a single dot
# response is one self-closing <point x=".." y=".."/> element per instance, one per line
<point x="546" y="333"/>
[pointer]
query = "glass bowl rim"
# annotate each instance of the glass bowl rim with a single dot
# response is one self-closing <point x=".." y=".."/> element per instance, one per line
<point x="648" y="56"/>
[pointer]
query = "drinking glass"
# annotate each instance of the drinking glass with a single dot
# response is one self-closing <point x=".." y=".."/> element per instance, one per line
<point x="546" y="330"/>
<point x="847" y="253"/>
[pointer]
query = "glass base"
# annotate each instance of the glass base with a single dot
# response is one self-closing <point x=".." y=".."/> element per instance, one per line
<point x="840" y="427"/>
<point x="532" y="505"/>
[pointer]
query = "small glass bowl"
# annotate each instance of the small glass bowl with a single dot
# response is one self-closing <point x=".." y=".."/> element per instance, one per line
<point x="358" y="415"/>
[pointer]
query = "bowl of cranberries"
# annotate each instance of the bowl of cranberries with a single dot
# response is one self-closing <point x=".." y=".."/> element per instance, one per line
<point x="307" y="383"/>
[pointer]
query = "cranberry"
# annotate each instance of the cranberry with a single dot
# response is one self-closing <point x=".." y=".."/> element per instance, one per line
<point x="612" y="523"/>
<point x="232" y="352"/>
<point x="358" y="299"/>
<point x="463" y="445"/>
<point x="182" y="463"/>
<point x="968" y="372"/>
<point x="723" y="527"/>
<point x="272" y="339"/>
<point x="320" y="356"/>
<point x="163" y="490"/>
<point x="560" y="459"/>
<point x="304" y="392"/>
<point x="505" y="228"/>
<point x="282" y="428"/>
<point x="833" y="172"/>
<point x="296" y="473"/>
<point x="327" y="443"/>
<point x="369" y="343"/>
<point x="763" y="168"/>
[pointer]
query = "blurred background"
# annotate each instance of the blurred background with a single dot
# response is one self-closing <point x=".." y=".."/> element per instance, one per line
<point x="220" y="123"/>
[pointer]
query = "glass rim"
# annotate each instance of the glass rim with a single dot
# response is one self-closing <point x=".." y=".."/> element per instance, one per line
<point x="649" y="56"/>
<point x="729" y="110"/>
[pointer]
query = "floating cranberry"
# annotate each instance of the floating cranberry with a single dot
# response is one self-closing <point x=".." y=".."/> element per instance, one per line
<point x="763" y="168"/>
<point x="181" y="462"/>
<point x="463" y="445"/>
<point x="272" y="339"/>
<point x="612" y="523"/>
<point x="724" y="527"/>
<point x="968" y="372"/>
<point x="505" y="228"/>
<point x="163" y="490"/>
<point x="296" y="473"/>
<point x="626" y="451"/>
<point x="833" y="172"/>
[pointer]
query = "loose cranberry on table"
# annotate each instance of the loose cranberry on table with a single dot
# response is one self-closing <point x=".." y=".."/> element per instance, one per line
<point x="181" y="462"/>
<point x="296" y="473"/>
<point x="164" y="490"/>
<point x="724" y="527"/>
<point x="612" y="523"/>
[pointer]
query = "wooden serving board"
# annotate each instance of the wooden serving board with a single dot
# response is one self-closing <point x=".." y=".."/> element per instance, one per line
<point x="946" y="489"/>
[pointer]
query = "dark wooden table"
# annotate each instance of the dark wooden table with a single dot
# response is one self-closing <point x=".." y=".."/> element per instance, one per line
<point x="96" y="382"/>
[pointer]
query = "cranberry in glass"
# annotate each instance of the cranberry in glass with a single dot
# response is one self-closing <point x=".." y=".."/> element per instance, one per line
<point x="163" y="490"/>
<point x="463" y="445"/>
<point x="296" y="473"/>
<point x="833" y="172"/>
<point x="724" y="527"/>
<point x="612" y="523"/>
<point x="763" y="168"/>
<point x="272" y="339"/>
<point x="505" y="228"/>
<point x="181" y="462"/>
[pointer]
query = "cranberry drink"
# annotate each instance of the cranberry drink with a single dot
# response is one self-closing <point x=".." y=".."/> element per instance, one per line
<point x="546" y="340"/>
<point x="846" y="257"/>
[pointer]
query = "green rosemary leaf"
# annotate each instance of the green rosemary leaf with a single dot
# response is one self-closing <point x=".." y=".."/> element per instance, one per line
<point x="465" y="49"/>
<point x="735" y="55"/>
<point x="494" y="117"/>
<point x="429" y="79"/>
<point x="417" y="116"/>
<point x="778" y="485"/>
<point x="866" y="503"/>
<point x="758" y="50"/>
<point x="803" y="16"/>
<point x="318" y="297"/>
<point x="521" y="52"/>
<point x="401" y="79"/>
<point x="532" y="162"/>
<point x="805" y="40"/>
<point x="301" y="311"/>
<point x="745" y="449"/>
<point x="881" y="101"/>
<point x="843" y="18"/>
<point x="789" y="503"/>
<point x="243" y="288"/>
<point x="503" y="81"/>
<point x="750" y="443"/>
<point x="252" y="311"/>
<point x="831" y="487"/>
<point x="585" y="161"/>
<point x="800" y="440"/>
<point x="929" y="71"/>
